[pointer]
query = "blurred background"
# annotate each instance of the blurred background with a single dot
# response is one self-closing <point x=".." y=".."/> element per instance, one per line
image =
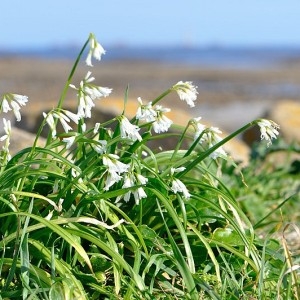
<point x="244" y="56"/>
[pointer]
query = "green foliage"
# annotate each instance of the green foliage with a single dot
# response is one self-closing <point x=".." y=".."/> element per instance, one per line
<point x="104" y="216"/>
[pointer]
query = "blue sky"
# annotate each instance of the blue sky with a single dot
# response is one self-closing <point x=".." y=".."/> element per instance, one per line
<point x="34" y="24"/>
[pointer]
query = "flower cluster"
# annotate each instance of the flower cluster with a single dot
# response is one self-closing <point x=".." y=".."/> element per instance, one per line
<point x="114" y="169"/>
<point x="155" y="115"/>
<point x="134" y="180"/>
<point x="268" y="130"/>
<point x="87" y="93"/>
<point x="64" y="116"/>
<point x="208" y="137"/>
<point x="13" y="102"/>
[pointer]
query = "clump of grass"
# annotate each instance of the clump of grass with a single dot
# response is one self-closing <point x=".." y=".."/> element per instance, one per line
<point x="99" y="214"/>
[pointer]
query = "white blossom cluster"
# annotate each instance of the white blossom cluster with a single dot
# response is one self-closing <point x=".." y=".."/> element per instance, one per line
<point x="268" y="130"/>
<point x="209" y="137"/>
<point x="10" y="102"/>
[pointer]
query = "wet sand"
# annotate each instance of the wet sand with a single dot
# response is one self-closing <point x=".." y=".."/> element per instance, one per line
<point x="228" y="98"/>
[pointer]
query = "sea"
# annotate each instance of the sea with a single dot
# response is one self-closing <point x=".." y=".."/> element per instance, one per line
<point x="210" y="56"/>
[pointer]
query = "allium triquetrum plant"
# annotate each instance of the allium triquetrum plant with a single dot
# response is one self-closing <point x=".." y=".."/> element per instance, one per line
<point x="98" y="214"/>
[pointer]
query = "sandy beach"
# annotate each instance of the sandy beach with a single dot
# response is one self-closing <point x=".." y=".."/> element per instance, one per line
<point x="227" y="97"/>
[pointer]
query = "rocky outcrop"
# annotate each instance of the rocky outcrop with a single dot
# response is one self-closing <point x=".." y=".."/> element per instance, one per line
<point x="287" y="114"/>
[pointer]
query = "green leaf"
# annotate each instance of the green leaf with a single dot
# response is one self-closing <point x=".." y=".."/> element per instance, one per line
<point x="227" y="236"/>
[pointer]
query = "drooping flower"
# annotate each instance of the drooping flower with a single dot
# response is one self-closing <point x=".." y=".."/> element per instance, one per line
<point x="13" y="102"/>
<point x="186" y="92"/>
<point x="111" y="161"/>
<point x="96" y="50"/>
<point x="268" y="130"/>
<point x="162" y="123"/>
<point x="210" y="136"/>
<point x="69" y="141"/>
<point x="87" y="93"/>
<point x="7" y="130"/>
<point x="132" y="179"/>
<point x="100" y="146"/>
<point x="114" y="169"/>
<point x="6" y="137"/>
<point x="178" y="185"/>
<point x="63" y="116"/>
<point x="147" y="113"/>
<point x="128" y="130"/>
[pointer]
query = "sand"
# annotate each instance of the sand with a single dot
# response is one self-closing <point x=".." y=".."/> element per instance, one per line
<point x="228" y="98"/>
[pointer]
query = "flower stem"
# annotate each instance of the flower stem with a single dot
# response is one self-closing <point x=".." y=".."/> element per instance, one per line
<point x="66" y="87"/>
<point x="164" y="94"/>
<point x="203" y="155"/>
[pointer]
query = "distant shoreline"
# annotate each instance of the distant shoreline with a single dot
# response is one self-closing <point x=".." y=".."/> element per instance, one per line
<point x="215" y="57"/>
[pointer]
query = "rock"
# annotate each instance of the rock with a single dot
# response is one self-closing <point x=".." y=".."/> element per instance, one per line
<point x="21" y="139"/>
<point x="287" y="114"/>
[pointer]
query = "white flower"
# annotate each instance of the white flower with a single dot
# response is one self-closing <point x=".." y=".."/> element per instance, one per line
<point x="96" y="128"/>
<point x="69" y="141"/>
<point x="50" y="120"/>
<point x="155" y="115"/>
<point x="199" y="127"/>
<point x="114" y="169"/>
<point x="132" y="179"/>
<point x="209" y="137"/>
<point x="7" y="130"/>
<point x="16" y="109"/>
<point x="96" y="50"/>
<point x="5" y="105"/>
<point x="162" y="123"/>
<point x="5" y="157"/>
<point x="145" y="111"/>
<point x="13" y="102"/>
<point x="111" y="179"/>
<point x="100" y="147"/>
<point x="186" y="92"/>
<point x="113" y="164"/>
<point x="268" y="130"/>
<point x="21" y="99"/>
<point x="87" y="93"/>
<point x="128" y="130"/>
<point x="63" y="116"/>
<point x="178" y="186"/>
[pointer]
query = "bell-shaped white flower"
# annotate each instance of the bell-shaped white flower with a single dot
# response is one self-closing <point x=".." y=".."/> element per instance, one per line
<point x="63" y="116"/>
<point x="145" y="112"/>
<point x="96" y="50"/>
<point x="13" y="102"/>
<point x="162" y="123"/>
<point x="210" y="136"/>
<point x="87" y="93"/>
<point x="128" y="130"/>
<point x="69" y="141"/>
<point x="134" y="180"/>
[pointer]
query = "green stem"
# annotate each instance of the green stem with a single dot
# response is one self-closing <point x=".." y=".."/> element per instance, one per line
<point x="164" y="94"/>
<point x="66" y="87"/>
<point x="203" y="155"/>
